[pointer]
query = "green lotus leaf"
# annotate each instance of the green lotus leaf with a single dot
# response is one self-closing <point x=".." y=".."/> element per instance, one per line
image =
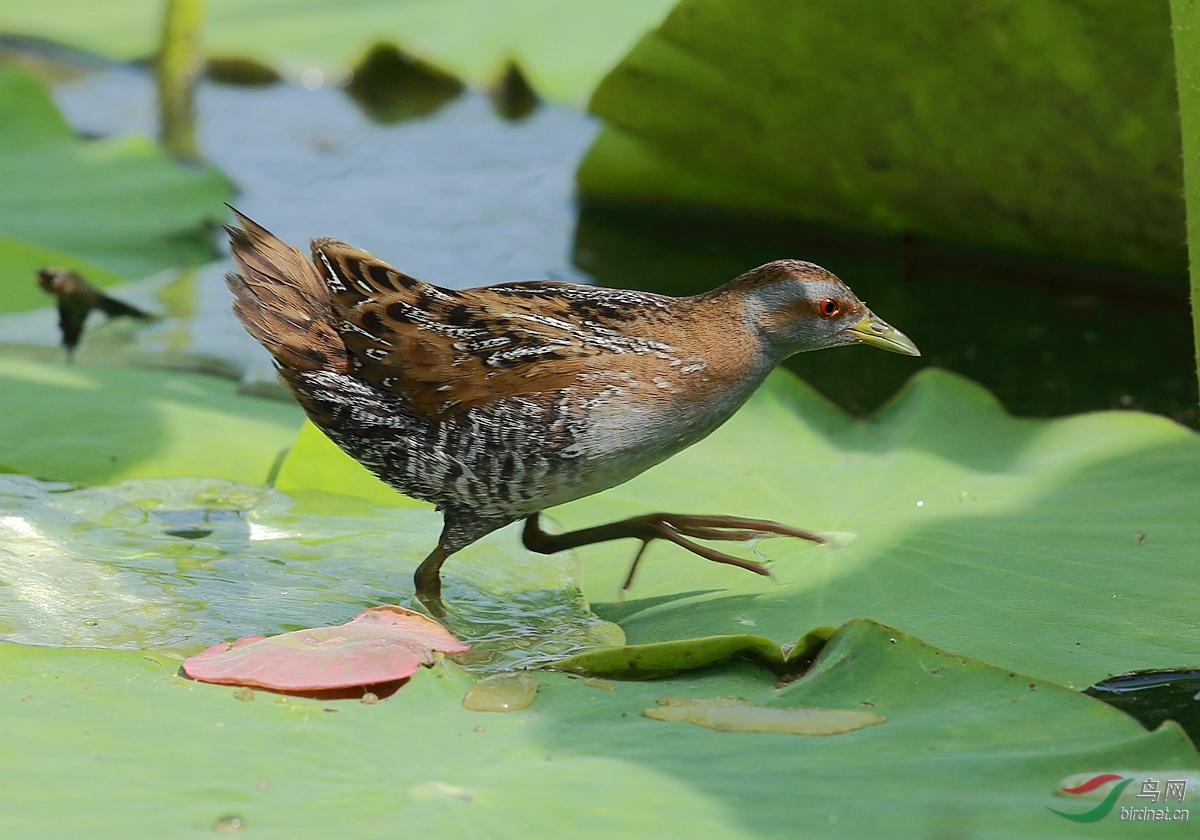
<point x="967" y="750"/>
<point x="91" y="424"/>
<point x="121" y="203"/>
<point x="1050" y="127"/>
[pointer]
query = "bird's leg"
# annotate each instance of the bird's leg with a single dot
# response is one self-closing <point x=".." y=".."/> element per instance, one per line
<point x="428" y="581"/>
<point x="667" y="526"/>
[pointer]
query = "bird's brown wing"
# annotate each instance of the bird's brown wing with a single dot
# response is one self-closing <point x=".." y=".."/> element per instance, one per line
<point x="445" y="350"/>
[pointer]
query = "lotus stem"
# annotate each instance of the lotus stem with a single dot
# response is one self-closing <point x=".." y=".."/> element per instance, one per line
<point x="178" y="65"/>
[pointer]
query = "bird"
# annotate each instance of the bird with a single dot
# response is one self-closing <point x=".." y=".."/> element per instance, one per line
<point x="76" y="299"/>
<point x="496" y="403"/>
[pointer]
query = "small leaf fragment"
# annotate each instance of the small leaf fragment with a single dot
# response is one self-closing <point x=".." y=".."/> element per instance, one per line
<point x="379" y="645"/>
<point x="732" y="714"/>
<point x="596" y="682"/>
<point x="509" y="692"/>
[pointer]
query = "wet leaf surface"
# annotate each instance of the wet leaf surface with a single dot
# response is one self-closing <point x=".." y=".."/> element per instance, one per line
<point x="1053" y="547"/>
<point x="509" y="692"/>
<point x="1009" y="539"/>
<point x="107" y="567"/>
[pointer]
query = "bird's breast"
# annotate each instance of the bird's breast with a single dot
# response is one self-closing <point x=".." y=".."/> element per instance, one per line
<point x="633" y="422"/>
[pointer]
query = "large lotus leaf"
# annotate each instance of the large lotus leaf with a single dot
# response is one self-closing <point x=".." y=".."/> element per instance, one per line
<point x="1062" y="548"/>
<point x="121" y="203"/>
<point x="91" y="424"/>
<point x="968" y="750"/>
<point x="564" y="47"/>
<point x="1049" y="127"/>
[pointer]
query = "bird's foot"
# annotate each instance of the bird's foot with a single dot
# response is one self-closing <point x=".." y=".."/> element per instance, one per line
<point x="674" y="527"/>
<point x="428" y="582"/>
<point x="432" y="601"/>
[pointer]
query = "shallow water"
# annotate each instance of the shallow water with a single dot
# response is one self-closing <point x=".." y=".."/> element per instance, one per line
<point x="462" y="197"/>
<point x="179" y="564"/>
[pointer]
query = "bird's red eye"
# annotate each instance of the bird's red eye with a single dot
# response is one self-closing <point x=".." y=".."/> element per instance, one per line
<point x="828" y="307"/>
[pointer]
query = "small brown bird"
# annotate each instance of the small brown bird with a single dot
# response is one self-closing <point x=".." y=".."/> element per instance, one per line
<point x="499" y="402"/>
<point x="76" y="299"/>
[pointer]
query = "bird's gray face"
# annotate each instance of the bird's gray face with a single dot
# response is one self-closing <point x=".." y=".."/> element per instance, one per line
<point x="808" y="309"/>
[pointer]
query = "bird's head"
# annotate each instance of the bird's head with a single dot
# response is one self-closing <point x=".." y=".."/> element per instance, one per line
<point x="47" y="277"/>
<point x="796" y="306"/>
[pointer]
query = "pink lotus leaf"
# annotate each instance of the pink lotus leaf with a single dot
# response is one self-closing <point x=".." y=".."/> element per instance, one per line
<point x="379" y="645"/>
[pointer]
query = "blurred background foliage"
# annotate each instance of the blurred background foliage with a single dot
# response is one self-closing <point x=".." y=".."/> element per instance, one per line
<point x="955" y="163"/>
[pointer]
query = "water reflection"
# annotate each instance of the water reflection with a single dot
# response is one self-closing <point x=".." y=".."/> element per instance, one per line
<point x="391" y="87"/>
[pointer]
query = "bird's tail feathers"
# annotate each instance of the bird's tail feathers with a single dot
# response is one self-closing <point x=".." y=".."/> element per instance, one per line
<point x="281" y="300"/>
<point x="113" y="307"/>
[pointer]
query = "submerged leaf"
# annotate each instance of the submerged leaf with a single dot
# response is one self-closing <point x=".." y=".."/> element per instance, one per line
<point x="732" y="714"/>
<point x="645" y="662"/>
<point x="509" y="692"/>
<point x="660" y="659"/>
<point x="379" y="645"/>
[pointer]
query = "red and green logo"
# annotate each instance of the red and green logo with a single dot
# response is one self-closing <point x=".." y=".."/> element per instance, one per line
<point x="1106" y="805"/>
